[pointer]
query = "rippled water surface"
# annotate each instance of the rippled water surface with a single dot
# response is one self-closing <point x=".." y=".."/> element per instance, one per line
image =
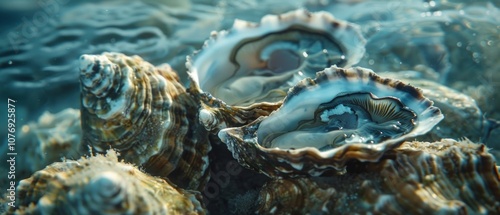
<point x="453" y="42"/>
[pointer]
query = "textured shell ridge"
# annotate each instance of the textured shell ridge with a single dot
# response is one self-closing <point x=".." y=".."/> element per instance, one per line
<point x="101" y="184"/>
<point x="148" y="116"/>
<point x="415" y="178"/>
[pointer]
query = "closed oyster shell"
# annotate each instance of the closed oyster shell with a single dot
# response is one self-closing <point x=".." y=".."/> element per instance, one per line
<point x="143" y="112"/>
<point x="343" y="114"/>
<point x="255" y="62"/>
<point x="444" y="177"/>
<point x="101" y="185"/>
<point x="295" y="196"/>
<point x="49" y="139"/>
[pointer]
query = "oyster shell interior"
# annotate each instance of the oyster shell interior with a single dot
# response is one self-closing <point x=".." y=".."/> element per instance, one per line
<point x="284" y="59"/>
<point x="347" y="106"/>
<point x="260" y="62"/>
<point x="354" y="117"/>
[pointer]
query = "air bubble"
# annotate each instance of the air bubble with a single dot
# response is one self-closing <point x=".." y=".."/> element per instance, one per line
<point x="476" y="55"/>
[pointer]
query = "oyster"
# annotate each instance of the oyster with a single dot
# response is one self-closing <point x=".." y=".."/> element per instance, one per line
<point x="342" y="114"/>
<point x="445" y="177"/>
<point x="51" y="138"/>
<point x="101" y="185"/>
<point x="255" y="62"/>
<point x="143" y="112"/>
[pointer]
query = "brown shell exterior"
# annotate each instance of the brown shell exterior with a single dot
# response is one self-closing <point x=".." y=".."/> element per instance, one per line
<point x="218" y="115"/>
<point x="157" y="127"/>
<point x="445" y="177"/>
<point x="51" y="138"/>
<point x="101" y="185"/>
<point x="294" y="196"/>
<point x="464" y="118"/>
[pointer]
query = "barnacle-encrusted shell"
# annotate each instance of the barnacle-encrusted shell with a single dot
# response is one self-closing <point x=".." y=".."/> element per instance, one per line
<point x="101" y="185"/>
<point x="342" y="114"/>
<point x="216" y="114"/>
<point x="52" y="137"/>
<point x="445" y="177"/>
<point x="299" y="196"/>
<point x="143" y="112"/>
<point x="254" y="62"/>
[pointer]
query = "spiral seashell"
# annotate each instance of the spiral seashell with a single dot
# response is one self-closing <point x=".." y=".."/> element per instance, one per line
<point x="445" y="177"/>
<point x="143" y="112"/>
<point x="256" y="62"/>
<point x="101" y="185"/>
<point x="342" y="114"/>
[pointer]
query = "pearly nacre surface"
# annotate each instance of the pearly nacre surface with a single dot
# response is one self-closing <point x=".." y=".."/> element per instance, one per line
<point x="255" y="62"/>
<point x="348" y="106"/>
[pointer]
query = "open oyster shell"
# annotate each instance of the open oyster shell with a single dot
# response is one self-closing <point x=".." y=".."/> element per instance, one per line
<point x="255" y="62"/>
<point x="143" y="112"/>
<point x="342" y="114"/>
<point x="101" y="185"/>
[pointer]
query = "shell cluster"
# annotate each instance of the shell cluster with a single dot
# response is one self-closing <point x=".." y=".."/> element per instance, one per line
<point x="449" y="177"/>
<point x="283" y="96"/>
<point x="101" y="185"/>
